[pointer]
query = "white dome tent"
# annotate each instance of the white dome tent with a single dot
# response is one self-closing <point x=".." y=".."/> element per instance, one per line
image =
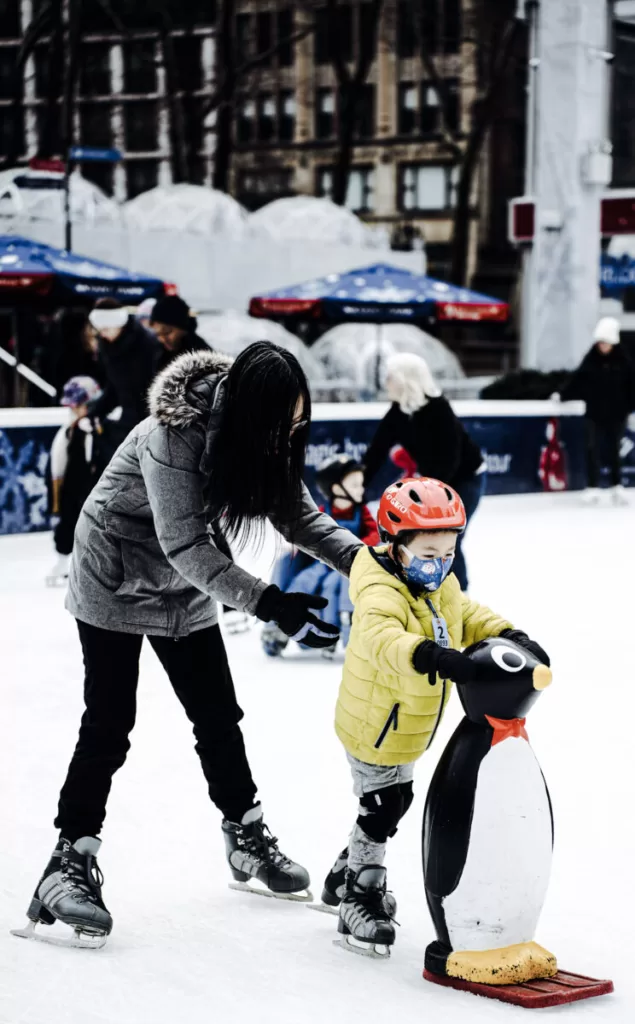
<point x="193" y="209"/>
<point x="358" y="352"/>
<point x="231" y="332"/>
<point x="305" y="218"/>
<point x="27" y="195"/>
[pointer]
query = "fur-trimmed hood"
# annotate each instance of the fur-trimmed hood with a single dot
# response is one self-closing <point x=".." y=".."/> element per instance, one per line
<point x="184" y="392"/>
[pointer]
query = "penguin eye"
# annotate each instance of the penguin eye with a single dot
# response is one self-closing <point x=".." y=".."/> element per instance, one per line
<point x="505" y="657"/>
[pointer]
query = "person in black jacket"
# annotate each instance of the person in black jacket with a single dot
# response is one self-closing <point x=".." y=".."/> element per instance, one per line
<point x="130" y="357"/>
<point x="421" y="420"/>
<point x="175" y="327"/>
<point x="605" y="381"/>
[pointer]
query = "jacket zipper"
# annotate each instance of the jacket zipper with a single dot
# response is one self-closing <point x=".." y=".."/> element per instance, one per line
<point x="392" y="722"/>
<point x="436" y="724"/>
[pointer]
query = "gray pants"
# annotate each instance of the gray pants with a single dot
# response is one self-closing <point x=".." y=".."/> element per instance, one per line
<point x="385" y="793"/>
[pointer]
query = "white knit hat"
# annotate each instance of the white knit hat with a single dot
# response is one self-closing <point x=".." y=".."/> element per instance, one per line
<point x="608" y="330"/>
<point x="413" y="379"/>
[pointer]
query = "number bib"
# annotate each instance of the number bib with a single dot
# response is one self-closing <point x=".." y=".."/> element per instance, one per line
<point x="439" y="627"/>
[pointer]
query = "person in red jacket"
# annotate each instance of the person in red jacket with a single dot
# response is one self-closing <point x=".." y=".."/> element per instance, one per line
<point x="340" y="479"/>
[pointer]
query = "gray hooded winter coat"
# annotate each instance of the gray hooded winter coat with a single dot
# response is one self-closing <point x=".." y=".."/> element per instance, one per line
<point x="144" y="560"/>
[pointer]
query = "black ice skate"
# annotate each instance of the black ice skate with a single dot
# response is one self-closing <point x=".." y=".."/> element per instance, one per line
<point x="364" y="923"/>
<point x="335" y="889"/>
<point x="70" y="892"/>
<point x="274" y="641"/>
<point x="257" y="864"/>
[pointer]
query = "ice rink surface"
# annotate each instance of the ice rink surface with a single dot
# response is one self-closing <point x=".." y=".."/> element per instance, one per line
<point x="185" y="947"/>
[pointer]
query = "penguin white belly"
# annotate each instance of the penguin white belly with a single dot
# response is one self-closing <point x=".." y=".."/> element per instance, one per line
<point x="500" y="894"/>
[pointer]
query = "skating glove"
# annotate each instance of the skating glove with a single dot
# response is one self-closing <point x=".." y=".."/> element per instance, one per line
<point x="292" y="613"/>
<point x="520" y="638"/>
<point x="431" y="660"/>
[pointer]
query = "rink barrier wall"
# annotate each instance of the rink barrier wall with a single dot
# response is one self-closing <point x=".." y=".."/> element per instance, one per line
<point x="511" y="435"/>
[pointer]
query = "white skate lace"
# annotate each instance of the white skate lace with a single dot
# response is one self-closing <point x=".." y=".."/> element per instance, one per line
<point x="262" y="843"/>
<point x="86" y="879"/>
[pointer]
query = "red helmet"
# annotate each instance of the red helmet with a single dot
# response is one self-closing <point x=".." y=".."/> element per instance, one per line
<point x="419" y="503"/>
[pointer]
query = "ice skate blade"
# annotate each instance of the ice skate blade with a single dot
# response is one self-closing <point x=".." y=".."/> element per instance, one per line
<point x="75" y="939"/>
<point x="256" y="890"/>
<point x="56" y="581"/>
<point x="374" y="951"/>
<point x="323" y="908"/>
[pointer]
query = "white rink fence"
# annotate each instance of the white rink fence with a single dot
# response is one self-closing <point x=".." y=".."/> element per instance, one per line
<point x="512" y="436"/>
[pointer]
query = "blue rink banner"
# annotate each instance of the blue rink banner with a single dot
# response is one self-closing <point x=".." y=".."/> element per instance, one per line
<point x="514" y="447"/>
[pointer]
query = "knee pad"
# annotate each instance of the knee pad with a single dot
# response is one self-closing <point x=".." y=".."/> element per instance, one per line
<point x="408" y="795"/>
<point x="381" y="811"/>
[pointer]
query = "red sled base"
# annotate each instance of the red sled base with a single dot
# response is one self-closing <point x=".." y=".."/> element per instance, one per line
<point x="533" y="995"/>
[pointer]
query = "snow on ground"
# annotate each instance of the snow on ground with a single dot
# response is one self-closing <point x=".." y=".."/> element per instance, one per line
<point x="184" y="946"/>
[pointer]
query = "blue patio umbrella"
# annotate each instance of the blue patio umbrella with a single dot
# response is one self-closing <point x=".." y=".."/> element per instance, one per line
<point x="379" y="293"/>
<point x="32" y="269"/>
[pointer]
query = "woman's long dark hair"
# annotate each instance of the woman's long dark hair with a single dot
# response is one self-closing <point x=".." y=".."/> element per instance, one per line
<point x="257" y="462"/>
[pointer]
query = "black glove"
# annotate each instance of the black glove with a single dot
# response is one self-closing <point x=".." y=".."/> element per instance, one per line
<point x="431" y="660"/>
<point x="520" y="638"/>
<point x="291" y="612"/>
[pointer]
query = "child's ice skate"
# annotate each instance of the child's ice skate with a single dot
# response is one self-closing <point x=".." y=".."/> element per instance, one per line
<point x="69" y="892"/>
<point x="58" y="576"/>
<point x="364" y="923"/>
<point x="256" y="863"/>
<point x="335" y="889"/>
<point x="274" y="641"/>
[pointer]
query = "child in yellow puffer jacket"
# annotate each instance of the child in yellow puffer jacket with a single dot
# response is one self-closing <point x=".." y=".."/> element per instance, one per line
<point x="410" y="622"/>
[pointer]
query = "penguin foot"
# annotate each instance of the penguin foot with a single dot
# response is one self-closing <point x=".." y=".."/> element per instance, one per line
<point x="509" y="965"/>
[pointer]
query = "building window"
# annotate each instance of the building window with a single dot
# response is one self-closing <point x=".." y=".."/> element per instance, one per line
<point x="439" y="22"/>
<point x="246" y="121"/>
<point x="360" y="190"/>
<point x="189" y="68"/>
<point x="322" y="47"/>
<point x="258" y="187"/>
<point x="140" y="120"/>
<point x="427" y="187"/>
<point x="266" y="117"/>
<point x="264" y="35"/>
<point x="420" y="109"/>
<point x="287" y="108"/>
<point x="95" y="125"/>
<point x="94" y="69"/>
<point x="244" y="37"/>
<point x="49" y="135"/>
<point x="140" y="67"/>
<point x="343" y="30"/>
<point x="325" y="114"/>
<point x="285" y="30"/>
<point x="100" y="174"/>
<point x="9" y="80"/>
<point x="365" y="116"/>
<point x="10" y="20"/>
<point x="12" y="142"/>
<point x="141" y="175"/>
<point x="42" y="59"/>
<point x="407" y="114"/>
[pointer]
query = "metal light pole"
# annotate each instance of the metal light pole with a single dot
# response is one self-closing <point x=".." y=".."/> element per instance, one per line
<point x="568" y="167"/>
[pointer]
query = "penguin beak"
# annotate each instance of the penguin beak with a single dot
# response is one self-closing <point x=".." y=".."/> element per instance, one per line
<point x="542" y="677"/>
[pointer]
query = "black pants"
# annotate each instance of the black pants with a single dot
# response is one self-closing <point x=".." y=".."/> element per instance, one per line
<point x="603" y="440"/>
<point x="199" y="672"/>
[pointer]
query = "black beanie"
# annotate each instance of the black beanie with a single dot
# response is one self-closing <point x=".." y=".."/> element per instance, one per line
<point x="173" y="311"/>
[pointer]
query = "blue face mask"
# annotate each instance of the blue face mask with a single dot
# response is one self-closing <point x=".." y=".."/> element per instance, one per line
<point x="428" y="573"/>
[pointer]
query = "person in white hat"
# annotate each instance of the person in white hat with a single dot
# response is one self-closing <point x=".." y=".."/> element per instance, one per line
<point x="605" y="381"/>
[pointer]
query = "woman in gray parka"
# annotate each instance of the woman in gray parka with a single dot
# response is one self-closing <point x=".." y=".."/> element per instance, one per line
<point x="222" y="451"/>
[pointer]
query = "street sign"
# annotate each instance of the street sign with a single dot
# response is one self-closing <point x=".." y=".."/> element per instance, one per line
<point x="37" y="163"/>
<point x="88" y="153"/>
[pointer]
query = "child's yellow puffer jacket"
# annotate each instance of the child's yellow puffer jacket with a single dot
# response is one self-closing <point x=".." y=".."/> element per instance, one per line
<point x="386" y="712"/>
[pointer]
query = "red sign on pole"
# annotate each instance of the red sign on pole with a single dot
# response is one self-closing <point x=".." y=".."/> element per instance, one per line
<point x="38" y="164"/>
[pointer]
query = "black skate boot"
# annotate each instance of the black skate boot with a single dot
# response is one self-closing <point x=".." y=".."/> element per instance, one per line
<point x="364" y="922"/>
<point x="335" y="888"/>
<point x="274" y="641"/>
<point x="70" y="891"/>
<point x="253" y="854"/>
